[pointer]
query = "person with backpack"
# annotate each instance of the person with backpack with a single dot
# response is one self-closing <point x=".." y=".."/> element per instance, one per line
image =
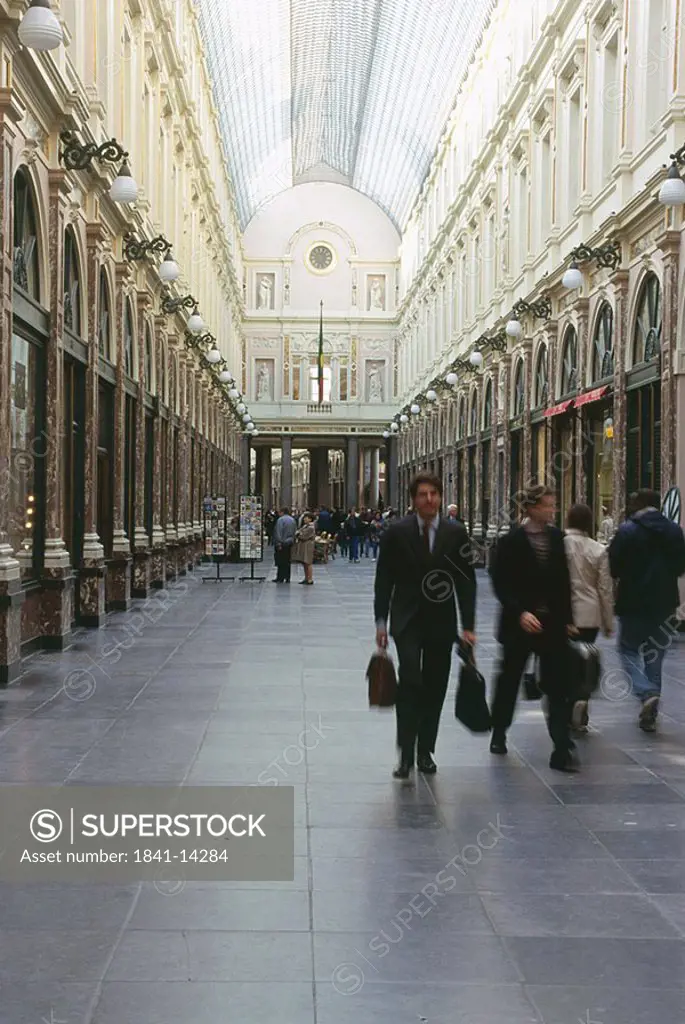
<point x="646" y="557"/>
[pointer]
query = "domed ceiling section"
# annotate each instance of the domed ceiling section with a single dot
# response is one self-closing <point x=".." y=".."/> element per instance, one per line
<point x="351" y="91"/>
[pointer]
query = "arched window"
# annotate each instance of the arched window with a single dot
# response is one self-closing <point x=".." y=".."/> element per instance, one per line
<point x="542" y="378"/>
<point x="149" y="361"/>
<point x="72" y="285"/>
<point x="473" y="419"/>
<point x="647" y="336"/>
<point x="128" y="342"/>
<point x="104" y="320"/>
<point x="487" y="405"/>
<point x="25" y="253"/>
<point x="569" y="362"/>
<point x="462" y="419"/>
<point x="519" y="390"/>
<point x="603" y="344"/>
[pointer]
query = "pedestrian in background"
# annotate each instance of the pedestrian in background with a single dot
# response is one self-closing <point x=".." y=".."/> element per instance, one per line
<point x="592" y="594"/>
<point x="647" y="557"/>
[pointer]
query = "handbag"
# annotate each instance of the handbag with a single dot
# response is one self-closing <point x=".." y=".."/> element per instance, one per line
<point x="382" y="679"/>
<point x="471" y="705"/>
<point x="586" y="670"/>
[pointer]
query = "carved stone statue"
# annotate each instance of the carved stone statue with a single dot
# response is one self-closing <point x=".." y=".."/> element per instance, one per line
<point x="265" y="293"/>
<point x="376" y="293"/>
<point x="375" y="385"/>
<point x="263" y="384"/>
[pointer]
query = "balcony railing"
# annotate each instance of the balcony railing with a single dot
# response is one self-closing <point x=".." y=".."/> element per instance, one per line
<point x="315" y="408"/>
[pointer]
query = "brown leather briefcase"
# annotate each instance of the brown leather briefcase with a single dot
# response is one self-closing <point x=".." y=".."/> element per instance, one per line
<point x="382" y="681"/>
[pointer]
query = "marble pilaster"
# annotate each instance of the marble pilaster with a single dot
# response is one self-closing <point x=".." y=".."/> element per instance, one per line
<point x="57" y="600"/>
<point x="669" y="243"/>
<point x="119" y="566"/>
<point x="141" y="568"/>
<point x="621" y="281"/>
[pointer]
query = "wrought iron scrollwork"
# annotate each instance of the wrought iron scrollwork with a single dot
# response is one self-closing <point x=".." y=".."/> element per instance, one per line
<point x="76" y="156"/>
<point x="170" y="306"/>
<point x="138" y="250"/>
<point x="541" y="309"/>
<point x="608" y="255"/>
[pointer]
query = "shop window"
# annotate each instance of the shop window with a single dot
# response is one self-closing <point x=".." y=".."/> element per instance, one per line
<point x="473" y="419"/>
<point x="105" y="473"/>
<point x="130" y="467"/>
<point x="129" y="360"/>
<point x="487" y="406"/>
<point x="603" y="344"/>
<point x="647" y="334"/>
<point x="104" y="320"/>
<point x="149" y="361"/>
<point x="462" y="419"/>
<point x="542" y="378"/>
<point x="569" y="362"/>
<point x="519" y="396"/>
<point x="27" y="453"/>
<point x="72" y="284"/>
<point x="25" y="251"/>
<point x="643" y="463"/>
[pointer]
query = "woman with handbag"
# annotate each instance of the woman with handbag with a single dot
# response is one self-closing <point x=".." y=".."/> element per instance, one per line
<point x="304" y="548"/>
<point x="592" y="599"/>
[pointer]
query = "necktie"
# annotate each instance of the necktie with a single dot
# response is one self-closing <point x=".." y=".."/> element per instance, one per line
<point x="427" y="538"/>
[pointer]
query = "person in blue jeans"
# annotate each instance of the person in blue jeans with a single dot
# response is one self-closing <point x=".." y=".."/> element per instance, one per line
<point x="646" y="557"/>
<point x="355" y="531"/>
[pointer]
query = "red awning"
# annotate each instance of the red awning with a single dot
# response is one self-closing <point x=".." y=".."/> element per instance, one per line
<point x="556" y="410"/>
<point x="591" y="396"/>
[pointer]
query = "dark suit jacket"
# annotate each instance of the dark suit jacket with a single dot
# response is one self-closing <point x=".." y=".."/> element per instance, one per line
<point x="413" y="586"/>
<point x="518" y="581"/>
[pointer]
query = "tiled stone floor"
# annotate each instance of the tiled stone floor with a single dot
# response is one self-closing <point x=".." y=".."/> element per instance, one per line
<point x="564" y="901"/>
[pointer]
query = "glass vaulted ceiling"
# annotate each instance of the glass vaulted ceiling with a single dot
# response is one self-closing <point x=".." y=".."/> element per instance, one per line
<point x="355" y="91"/>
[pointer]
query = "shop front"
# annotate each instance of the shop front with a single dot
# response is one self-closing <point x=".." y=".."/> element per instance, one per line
<point x="596" y="411"/>
<point x="643" y="386"/>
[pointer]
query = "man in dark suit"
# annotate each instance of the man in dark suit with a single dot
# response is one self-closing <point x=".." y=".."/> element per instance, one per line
<point x="423" y="561"/>
<point x="531" y="579"/>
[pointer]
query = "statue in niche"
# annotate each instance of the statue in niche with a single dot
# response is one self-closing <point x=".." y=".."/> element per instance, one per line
<point x="377" y="293"/>
<point x="265" y="292"/>
<point x="263" y="384"/>
<point x="375" y="384"/>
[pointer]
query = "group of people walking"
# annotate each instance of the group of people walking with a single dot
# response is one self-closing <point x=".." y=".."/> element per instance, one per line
<point x="555" y="590"/>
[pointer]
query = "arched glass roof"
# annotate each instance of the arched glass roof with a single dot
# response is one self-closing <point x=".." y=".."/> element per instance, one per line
<point x="354" y="91"/>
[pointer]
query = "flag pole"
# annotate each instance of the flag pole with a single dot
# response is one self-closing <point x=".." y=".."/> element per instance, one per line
<point x="321" y="353"/>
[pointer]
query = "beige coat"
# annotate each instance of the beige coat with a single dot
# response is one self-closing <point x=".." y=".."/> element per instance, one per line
<point x="592" y="591"/>
<point x="304" y="544"/>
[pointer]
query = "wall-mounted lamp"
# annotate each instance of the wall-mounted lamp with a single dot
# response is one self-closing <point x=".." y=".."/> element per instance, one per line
<point x="672" y="192"/>
<point x="78" y="156"/>
<point x="137" y="250"/>
<point x="608" y="255"/>
<point x="40" y="29"/>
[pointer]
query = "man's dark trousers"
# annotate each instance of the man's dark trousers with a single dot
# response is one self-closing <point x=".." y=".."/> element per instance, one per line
<point x="424" y="669"/>
<point x="551" y="646"/>
<point x="282" y="559"/>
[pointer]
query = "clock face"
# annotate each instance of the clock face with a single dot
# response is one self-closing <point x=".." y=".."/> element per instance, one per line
<point x="321" y="258"/>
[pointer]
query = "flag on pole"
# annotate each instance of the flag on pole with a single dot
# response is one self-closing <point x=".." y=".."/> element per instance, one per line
<point x="321" y="354"/>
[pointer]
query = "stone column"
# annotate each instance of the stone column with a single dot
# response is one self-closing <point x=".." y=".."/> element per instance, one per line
<point x="286" y="472"/>
<point x="142" y="568"/>
<point x="158" y="539"/>
<point x="91" y="579"/>
<point x="352" y="463"/>
<point x="669" y="243"/>
<point x="362" y="477"/>
<point x="582" y="311"/>
<point x="263" y="474"/>
<point x="119" y="569"/>
<point x="504" y="376"/>
<point x="620" y="280"/>
<point x="391" y="472"/>
<point x="11" y="593"/>
<point x="171" y="533"/>
<point x="57" y="600"/>
<point x="375" y="476"/>
<point x="245" y="464"/>
<point x="527" y="429"/>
